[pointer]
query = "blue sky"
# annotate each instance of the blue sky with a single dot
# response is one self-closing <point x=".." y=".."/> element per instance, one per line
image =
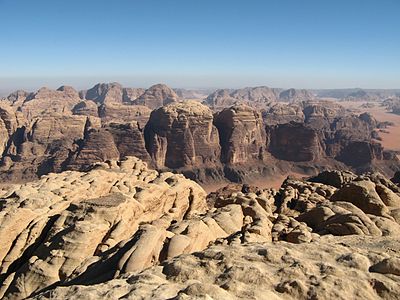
<point x="208" y="43"/>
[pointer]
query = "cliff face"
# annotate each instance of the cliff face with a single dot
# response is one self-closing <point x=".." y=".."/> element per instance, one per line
<point x="242" y="135"/>
<point x="294" y="142"/>
<point x="179" y="135"/>
<point x="62" y="131"/>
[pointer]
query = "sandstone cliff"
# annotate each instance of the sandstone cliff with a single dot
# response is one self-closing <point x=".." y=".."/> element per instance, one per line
<point x="182" y="134"/>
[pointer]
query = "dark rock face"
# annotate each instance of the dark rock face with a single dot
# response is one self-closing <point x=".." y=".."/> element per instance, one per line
<point x="333" y="178"/>
<point x="157" y="96"/>
<point x="182" y="134"/>
<point x="294" y="142"/>
<point x="242" y="135"/>
<point x="98" y="146"/>
<point x="129" y="140"/>
<point x="360" y="153"/>
<point x="9" y="123"/>
<point x="396" y="177"/>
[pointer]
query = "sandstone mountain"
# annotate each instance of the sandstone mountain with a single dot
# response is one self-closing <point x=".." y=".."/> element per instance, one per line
<point x="121" y="230"/>
<point x="53" y="131"/>
<point x="156" y="96"/>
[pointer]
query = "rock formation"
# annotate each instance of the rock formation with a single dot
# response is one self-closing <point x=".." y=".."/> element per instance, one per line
<point x="242" y="135"/>
<point x="157" y="96"/>
<point x="182" y="134"/>
<point x="104" y="93"/>
<point x="186" y="137"/>
<point x="121" y="230"/>
<point x="46" y="101"/>
<point x="42" y="147"/>
<point x="124" y="113"/>
<point x="294" y="142"/>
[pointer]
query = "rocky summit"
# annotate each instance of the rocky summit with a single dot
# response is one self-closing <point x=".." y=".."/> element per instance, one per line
<point x="120" y="230"/>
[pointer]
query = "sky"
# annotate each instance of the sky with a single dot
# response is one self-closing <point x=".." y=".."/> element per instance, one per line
<point x="200" y="44"/>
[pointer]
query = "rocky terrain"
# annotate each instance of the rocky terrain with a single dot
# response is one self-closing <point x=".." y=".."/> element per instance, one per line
<point x="92" y="204"/>
<point x="122" y="230"/>
<point x="58" y="130"/>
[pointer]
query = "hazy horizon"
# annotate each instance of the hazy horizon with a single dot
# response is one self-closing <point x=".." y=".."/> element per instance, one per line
<point x="210" y="44"/>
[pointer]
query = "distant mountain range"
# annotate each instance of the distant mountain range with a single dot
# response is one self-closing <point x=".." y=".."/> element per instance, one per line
<point x="357" y="93"/>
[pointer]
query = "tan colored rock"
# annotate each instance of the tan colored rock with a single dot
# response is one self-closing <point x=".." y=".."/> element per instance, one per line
<point x="121" y="113"/>
<point x="46" y="101"/>
<point x="242" y="135"/>
<point x="81" y="216"/>
<point x="182" y="135"/>
<point x="325" y="269"/>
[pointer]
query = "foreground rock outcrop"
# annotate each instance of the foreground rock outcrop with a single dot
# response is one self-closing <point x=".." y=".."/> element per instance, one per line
<point x="121" y="230"/>
<point x="333" y="268"/>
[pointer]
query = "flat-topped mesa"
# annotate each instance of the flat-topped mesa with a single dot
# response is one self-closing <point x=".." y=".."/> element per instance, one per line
<point x="157" y="96"/>
<point x="242" y="134"/>
<point x="258" y="97"/>
<point x="253" y="96"/>
<point x="182" y="134"/>
<point x="295" y="95"/>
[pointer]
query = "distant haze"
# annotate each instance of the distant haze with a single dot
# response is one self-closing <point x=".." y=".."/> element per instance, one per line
<point x="200" y="44"/>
